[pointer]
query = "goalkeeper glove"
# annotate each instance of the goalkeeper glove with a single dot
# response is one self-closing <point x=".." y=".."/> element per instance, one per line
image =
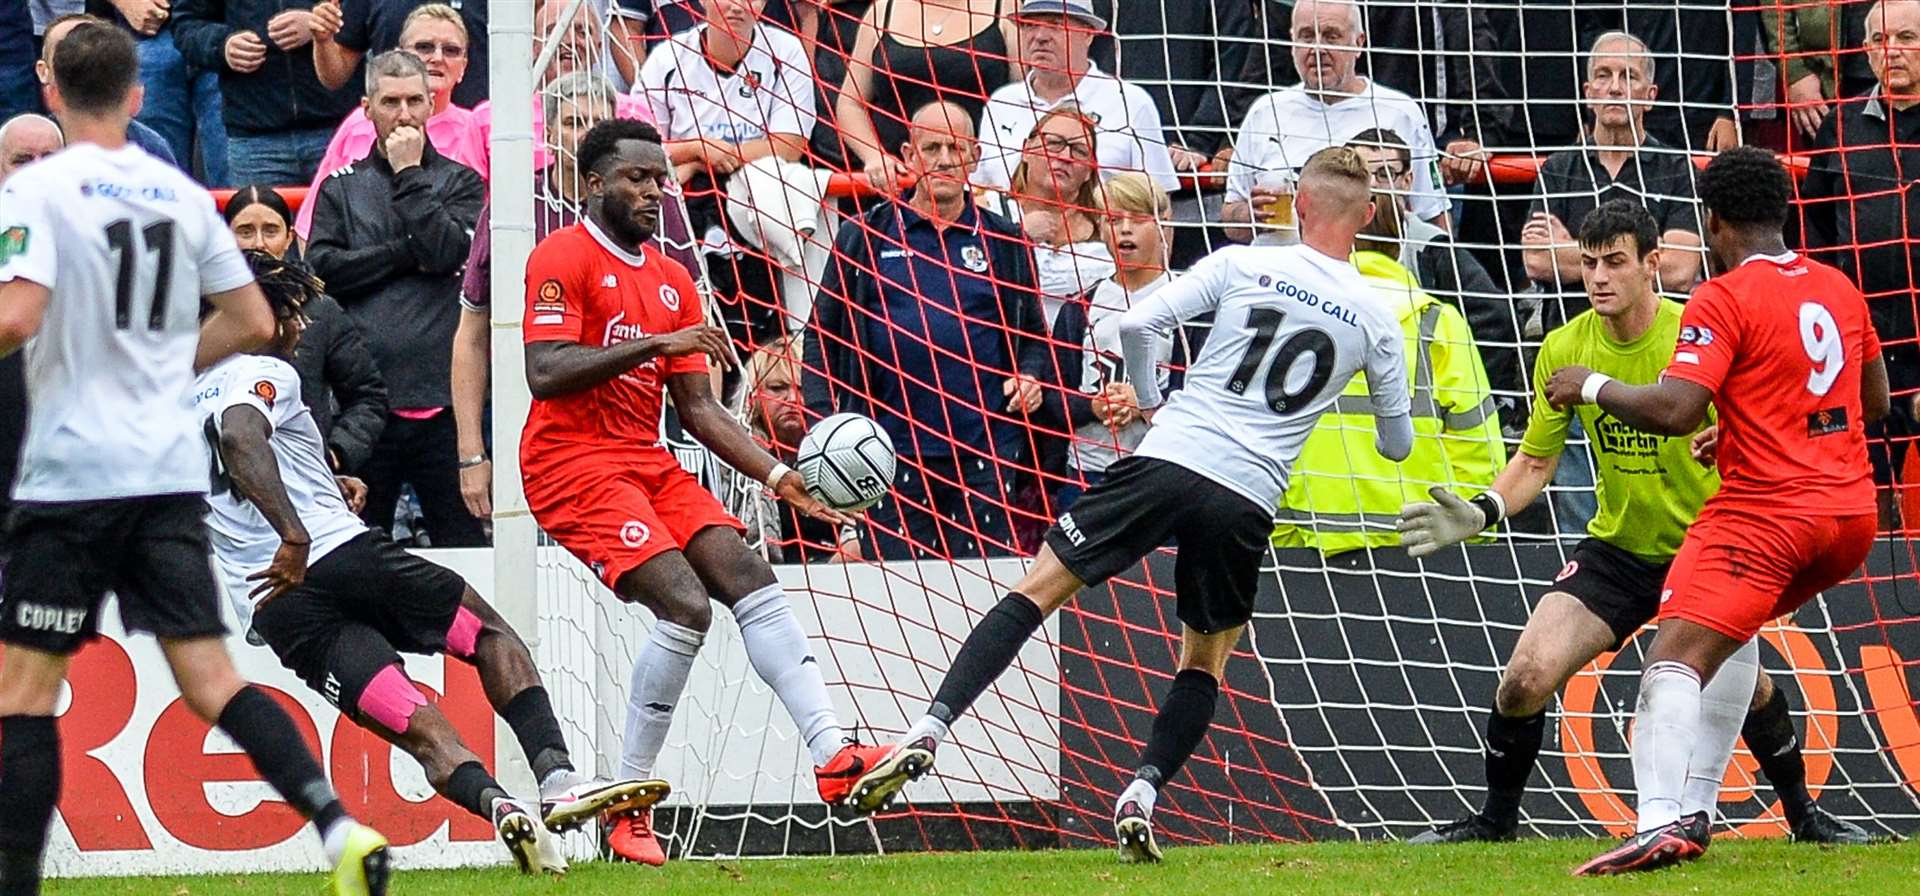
<point x="1426" y="528"/>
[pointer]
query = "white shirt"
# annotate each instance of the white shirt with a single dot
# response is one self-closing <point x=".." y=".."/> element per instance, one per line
<point x="1129" y="137"/>
<point x="1283" y="128"/>
<point x="127" y="245"/>
<point x="769" y="92"/>
<point x="243" y="541"/>
<point x="1291" y="328"/>
<point x="1096" y="446"/>
<point x="1062" y="272"/>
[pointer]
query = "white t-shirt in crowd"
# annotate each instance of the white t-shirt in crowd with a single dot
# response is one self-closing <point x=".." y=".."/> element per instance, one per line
<point x="243" y="541"/>
<point x="127" y="245"/>
<point x="1291" y="328"/>
<point x="1096" y="446"/>
<point x="1129" y="137"/>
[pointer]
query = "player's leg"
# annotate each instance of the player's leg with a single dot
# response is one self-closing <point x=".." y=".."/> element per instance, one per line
<point x="1561" y="637"/>
<point x="1178" y="727"/>
<point x="1723" y="707"/>
<point x="1771" y="738"/>
<point x="30" y="682"/>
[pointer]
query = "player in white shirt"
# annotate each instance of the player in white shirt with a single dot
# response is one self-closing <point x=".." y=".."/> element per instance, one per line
<point x="358" y="599"/>
<point x="1292" y="326"/>
<point x="105" y="256"/>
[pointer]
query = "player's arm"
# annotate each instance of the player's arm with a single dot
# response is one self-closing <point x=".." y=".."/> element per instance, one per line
<point x="247" y="456"/>
<point x="1876" y="399"/>
<point x="23" y="305"/>
<point x="558" y="368"/>
<point x="241" y="322"/>
<point x="708" y="422"/>
<point x="1670" y="407"/>
<point x="1145" y="324"/>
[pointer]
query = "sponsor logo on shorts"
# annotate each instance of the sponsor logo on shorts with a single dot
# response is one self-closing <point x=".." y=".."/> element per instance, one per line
<point x="42" y="618"/>
<point x="330" y="689"/>
<point x="1567" y="571"/>
<point x="266" y="392"/>
<point x="1072" y="530"/>
<point x="634" y="533"/>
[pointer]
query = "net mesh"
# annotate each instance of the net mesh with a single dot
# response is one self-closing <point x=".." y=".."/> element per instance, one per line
<point x="1355" y="706"/>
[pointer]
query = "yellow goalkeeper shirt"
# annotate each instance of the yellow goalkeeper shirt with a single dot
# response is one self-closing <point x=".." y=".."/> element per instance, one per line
<point x="1650" y="487"/>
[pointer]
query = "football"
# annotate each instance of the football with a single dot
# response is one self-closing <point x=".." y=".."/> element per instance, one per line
<point x="847" y="461"/>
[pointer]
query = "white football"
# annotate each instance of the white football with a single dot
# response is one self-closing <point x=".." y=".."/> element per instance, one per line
<point x="847" y="461"/>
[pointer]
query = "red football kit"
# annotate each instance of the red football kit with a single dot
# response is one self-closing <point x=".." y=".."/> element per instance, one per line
<point x="1781" y="341"/>
<point x="597" y="478"/>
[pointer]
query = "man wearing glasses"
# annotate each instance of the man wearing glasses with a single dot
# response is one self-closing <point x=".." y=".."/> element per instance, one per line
<point x="344" y="31"/>
<point x="437" y="35"/>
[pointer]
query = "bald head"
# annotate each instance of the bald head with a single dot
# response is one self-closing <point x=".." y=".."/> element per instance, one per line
<point x="940" y="149"/>
<point x="939" y="117"/>
<point x="26" y="139"/>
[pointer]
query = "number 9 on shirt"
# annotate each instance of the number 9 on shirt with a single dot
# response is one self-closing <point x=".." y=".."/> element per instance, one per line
<point x="847" y="461"/>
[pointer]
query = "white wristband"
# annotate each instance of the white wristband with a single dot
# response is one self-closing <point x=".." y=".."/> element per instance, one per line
<point x="1590" y="390"/>
<point x="779" y="472"/>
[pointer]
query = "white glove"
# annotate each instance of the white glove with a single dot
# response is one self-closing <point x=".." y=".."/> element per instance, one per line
<point x="1426" y="528"/>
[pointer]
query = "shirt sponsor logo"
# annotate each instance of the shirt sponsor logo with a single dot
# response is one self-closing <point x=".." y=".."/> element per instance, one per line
<point x="974" y="257"/>
<point x="266" y="392"/>
<point x="1827" y="421"/>
<point x="670" y="297"/>
<point x="42" y="618"/>
<point x="1692" y="335"/>
<point x="1613" y="437"/>
<point x="110" y="190"/>
<point x="634" y="533"/>
<point x="13" y="243"/>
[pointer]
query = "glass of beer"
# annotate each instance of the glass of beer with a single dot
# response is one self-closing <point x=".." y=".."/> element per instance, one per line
<point x="1279" y="212"/>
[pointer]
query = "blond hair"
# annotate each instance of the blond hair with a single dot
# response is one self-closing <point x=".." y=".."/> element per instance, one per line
<point x="440" y="11"/>
<point x="1134" y="193"/>
<point x="769" y="357"/>
<point x="1339" y="173"/>
<point x="1086" y="200"/>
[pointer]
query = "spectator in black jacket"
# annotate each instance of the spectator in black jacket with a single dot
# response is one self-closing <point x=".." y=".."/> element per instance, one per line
<point x="390" y="236"/>
<point x="279" y="116"/>
<point x="928" y="320"/>
<point x="338" y="379"/>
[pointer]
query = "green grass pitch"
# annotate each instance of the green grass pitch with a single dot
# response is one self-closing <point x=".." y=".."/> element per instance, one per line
<point x="1732" y="868"/>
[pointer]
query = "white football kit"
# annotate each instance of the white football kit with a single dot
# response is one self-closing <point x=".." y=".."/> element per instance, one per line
<point x="127" y="245"/>
<point x="1291" y="328"/>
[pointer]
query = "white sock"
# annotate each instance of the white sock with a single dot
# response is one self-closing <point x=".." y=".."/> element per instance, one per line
<point x="778" y="649"/>
<point x="558" y="780"/>
<point x="334" y="840"/>
<point x="1723" y="710"/>
<point x="928" y="726"/>
<point x="1664" y="727"/>
<point x="659" y="675"/>
<point x="1141" y="792"/>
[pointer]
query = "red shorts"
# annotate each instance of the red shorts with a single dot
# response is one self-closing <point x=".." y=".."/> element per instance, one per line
<point x="1740" y="568"/>
<point x="616" y="508"/>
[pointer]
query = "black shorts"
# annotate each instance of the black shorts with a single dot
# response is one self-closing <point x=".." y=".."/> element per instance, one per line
<point x="150" y="551"/>
<point x="361" y="606"/>
<point x="1621" y="588"/>
<point x="1142" y="504"/>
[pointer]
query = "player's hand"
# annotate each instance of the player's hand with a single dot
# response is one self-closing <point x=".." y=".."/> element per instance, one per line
<point x="1705" y="446"/>
<point x="353" y="491"/>
<point x="325" y="22"/>
<point x="793" y="490"/>
<point x="1463" y="159"/>
<point x="1426" y="528"/>
<point x="245" y="52"/>
<point x="699" y="339"/>
<point x="144" y="16"/>
<point x="1563" y="389"/>
<point x="285" y="573"/>
<point x="291" y="29"/>
<point x="1023" y="393"/>
<point x="405" y="147"/>
<point x="476" y="488"/>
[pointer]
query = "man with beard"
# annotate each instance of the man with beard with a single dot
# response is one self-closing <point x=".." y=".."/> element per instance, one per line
<point x="612" y="326"/>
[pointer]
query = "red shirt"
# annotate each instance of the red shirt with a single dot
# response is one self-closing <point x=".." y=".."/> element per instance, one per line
<point x="582" y="288"/>
<point x="1781" y="341"/>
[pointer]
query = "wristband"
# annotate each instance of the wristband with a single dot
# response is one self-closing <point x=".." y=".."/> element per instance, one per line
<point x="1491" y="504"/>
<point x="1590" y="390"/>
<point x="779" y="472"/>
<point x="468" y="463"/>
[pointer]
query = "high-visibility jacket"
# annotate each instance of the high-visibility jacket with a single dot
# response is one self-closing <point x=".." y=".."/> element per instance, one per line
<point x="1343" y="495"/>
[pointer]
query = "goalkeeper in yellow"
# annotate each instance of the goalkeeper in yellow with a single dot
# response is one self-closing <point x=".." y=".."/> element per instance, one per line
<point x="1650" y="490"/>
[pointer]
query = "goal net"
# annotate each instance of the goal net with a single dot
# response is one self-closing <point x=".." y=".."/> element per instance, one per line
<point x="1353" y="709"/>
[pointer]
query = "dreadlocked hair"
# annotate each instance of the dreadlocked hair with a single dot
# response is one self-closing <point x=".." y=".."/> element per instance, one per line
<point x="287" y="285"/>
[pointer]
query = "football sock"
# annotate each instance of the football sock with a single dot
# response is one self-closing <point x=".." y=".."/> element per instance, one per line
<point x="988" y="651"/>
<point x="778" y="649"/>
<point x="659" y="675"/>
<point x="29" y="788"/>
<point x="1664" y="727"/>
<point x="530" y="715"/>
<point x="929" y="728"/>
<point x="1723" y="707"/>
<point x="1513" y="744"/>
<point x="266" y="733"/>
<point x="471" y="788"/>
<point x="1770" y="738"/>
<point x="1179" y="725"/>
<point x="1140" y="792"/>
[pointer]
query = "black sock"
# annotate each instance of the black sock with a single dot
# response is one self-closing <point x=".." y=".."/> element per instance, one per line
<point x="29" y="789"/>
<point x="471" y="788"/>
<point x="988" y="651"/>
<point x="1769" y="734"/>
<point x="1179" y="725"/>
<point x="1512" y="746"/>
<point x="266" y="733"/>
<point x="530" y="715"/>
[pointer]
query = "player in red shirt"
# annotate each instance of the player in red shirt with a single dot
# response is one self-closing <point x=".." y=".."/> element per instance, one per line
<point x="611" y="325"/>
<point x="1782" y="346"/>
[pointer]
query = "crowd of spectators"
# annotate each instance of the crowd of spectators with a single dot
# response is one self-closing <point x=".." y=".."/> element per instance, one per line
<point x="1022" y="171"/>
